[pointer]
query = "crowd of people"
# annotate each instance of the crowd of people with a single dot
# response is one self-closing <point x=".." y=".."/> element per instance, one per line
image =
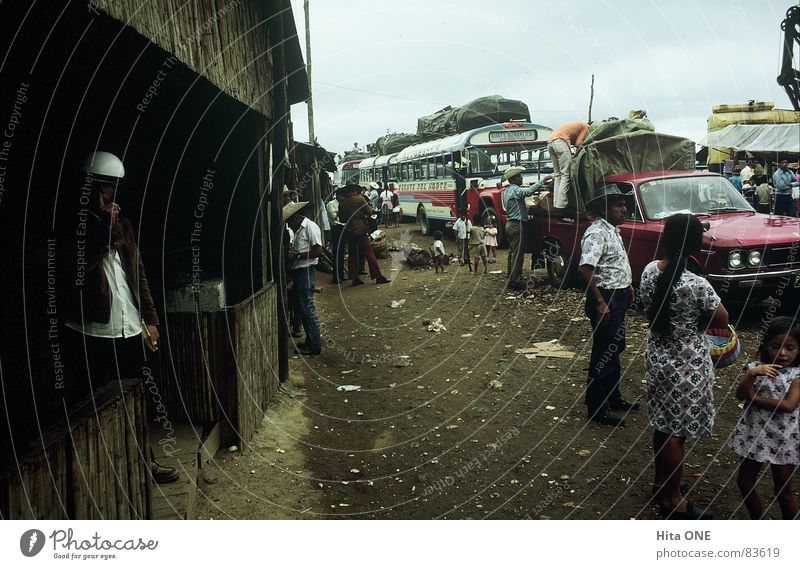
<point x="780" y="197"/>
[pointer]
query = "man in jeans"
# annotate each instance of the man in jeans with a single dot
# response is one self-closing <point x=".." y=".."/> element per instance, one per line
<point x="783" y="180"/>
<point x="302" y="258"/>
<point x="517" y="217"/>
<point x="559" y="146"/>
<point x="605" y="269"/>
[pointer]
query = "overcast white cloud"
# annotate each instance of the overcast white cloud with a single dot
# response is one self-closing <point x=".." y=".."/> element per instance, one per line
<point x="380" y="64"/>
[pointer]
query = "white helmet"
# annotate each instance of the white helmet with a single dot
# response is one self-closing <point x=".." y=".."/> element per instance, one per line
<point x="104" y="165"/>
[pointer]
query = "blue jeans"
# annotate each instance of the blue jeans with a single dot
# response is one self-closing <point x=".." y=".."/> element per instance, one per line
<point x="303" y="283"/>
<point x="608" y="342"/>
<point x="785" y="205"/>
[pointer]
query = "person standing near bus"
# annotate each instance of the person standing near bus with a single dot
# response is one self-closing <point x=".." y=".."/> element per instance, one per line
<point x="354" y="212"/>
<point x="517" y="216"/>
<point x="559" y="145"/>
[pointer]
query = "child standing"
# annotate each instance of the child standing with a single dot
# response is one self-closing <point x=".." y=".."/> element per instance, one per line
<point x="461" y="228"/>
<point x="769" y="430"/>
<point x="477" y="249"/>
<point x="490" y="239"/>
<point x="437" y="250"/>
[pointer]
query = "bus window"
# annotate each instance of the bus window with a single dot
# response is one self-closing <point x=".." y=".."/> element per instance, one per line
<point x="417" y="170"/>
<point x="440" y="166"/>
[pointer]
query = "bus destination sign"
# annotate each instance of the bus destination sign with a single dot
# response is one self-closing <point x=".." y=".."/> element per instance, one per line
<point x="515" y="135"/>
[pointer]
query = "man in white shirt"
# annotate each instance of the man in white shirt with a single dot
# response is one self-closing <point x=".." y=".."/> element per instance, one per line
<point x="302" y="259"/>
<point x="108" y="307"/>
<point x="461" y="227"/>
<point x="337" y="232"/>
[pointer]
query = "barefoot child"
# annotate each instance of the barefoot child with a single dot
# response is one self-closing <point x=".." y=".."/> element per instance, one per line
<point x="437" y="250"/>
<point x="476" y="246"/>
<point x="769" y="430"/>
<point x="490" y="240"/>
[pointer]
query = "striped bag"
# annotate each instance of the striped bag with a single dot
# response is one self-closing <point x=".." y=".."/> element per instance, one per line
<point x="723" y="343"/>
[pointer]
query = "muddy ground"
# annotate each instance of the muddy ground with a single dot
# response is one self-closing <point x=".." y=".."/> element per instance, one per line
<point x="454" y="424"/>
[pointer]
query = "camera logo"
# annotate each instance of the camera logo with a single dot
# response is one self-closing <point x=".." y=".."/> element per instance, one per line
<point x="31" y="542"/>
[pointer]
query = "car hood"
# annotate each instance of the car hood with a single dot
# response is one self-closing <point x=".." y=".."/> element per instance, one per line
<point x="753" y="230"/>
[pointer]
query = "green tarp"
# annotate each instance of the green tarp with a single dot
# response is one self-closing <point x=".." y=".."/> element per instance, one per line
<point x="616" y="127"/>
<point x="638" y="151"/>
<point x="475" y="114"/>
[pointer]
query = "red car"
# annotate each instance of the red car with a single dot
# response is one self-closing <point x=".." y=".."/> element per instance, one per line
<point x="746" y="255"/>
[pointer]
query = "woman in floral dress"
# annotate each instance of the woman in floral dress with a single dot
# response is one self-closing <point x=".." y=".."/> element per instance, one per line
<point x="678" y="367"/>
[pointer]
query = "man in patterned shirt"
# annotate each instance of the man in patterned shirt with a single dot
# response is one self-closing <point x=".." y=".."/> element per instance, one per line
<point x="605" y="269"/>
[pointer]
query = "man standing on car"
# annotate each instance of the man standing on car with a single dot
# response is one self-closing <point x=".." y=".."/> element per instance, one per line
<point x="559" y="146"/>
<point x="517" y="217"/>
<point x="605" y="269"/>
<point x="783" y="180"/>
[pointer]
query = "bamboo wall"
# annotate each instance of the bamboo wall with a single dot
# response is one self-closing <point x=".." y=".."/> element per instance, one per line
<point x="256" y="359"/>
<point x="193" y="368"/>
<point x="95" y="467"/>
<point x="226" y="41"/>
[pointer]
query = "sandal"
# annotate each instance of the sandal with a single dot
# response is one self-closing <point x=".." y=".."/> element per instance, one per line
<point x="692" y="513"/>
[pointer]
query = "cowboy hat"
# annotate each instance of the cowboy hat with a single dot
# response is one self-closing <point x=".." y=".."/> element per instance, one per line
<point x="511" y="172"/>
<point x="292" y="208"/>
<point x="374" y="185"/>
<point x="608" y="191"/>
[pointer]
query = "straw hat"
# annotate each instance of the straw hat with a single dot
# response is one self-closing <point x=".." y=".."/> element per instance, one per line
<point x="374" y="185"/>
<point x="511" y="172"/>
<point x="292" y="208"/>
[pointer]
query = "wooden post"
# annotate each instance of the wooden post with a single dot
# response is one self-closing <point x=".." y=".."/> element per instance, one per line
<point x="310" y="103"/>
<point x="591" y="98"/>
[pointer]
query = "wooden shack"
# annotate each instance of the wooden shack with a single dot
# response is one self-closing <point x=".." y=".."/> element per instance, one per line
<point x="195" y="97"/>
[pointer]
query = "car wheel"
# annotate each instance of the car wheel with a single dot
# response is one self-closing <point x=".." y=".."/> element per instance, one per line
<point x="559" y="272"/>
<point x="422" y="221"/>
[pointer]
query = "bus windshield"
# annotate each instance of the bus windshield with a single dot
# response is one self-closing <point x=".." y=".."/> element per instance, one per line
<point x="499" y="158"/>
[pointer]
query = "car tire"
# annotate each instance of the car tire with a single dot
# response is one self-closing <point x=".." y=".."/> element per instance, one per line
<point x="560" y="273"/>
<point x="423" y="222"/>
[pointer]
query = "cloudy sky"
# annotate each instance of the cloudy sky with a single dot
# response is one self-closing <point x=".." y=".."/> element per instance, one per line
<point x="380" y="64"/>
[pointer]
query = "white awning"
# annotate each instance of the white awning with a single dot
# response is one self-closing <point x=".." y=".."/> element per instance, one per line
<point x="756" y="138"/>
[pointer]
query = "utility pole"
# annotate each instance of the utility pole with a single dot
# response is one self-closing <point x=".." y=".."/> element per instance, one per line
<point x="591" y="97"/>
<point x="310" y="102"/>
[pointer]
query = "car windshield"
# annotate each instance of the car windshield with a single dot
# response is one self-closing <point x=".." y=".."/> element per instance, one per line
<point x="695" y="195"/>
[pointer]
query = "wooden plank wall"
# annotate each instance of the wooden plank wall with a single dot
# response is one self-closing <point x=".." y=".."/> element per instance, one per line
<point x="226" y="41"/>
<point x="95" y="466"/>
<point x="256" y="359"/>
<point x="193" y="369"/>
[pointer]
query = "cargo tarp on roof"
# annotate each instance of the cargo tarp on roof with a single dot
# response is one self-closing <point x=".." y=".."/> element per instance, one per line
<point x="396" y="141"/>
<point x="756" y="138"/>
<point x="616" y="127"/>
<point x="435" y="123"/>
<point x="475" y="114"/>
<point x="639" y="151"/>
<point x="489" y="110"/>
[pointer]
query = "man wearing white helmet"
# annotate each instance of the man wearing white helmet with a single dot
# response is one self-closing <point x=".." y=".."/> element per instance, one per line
<point x="111" y="316"/>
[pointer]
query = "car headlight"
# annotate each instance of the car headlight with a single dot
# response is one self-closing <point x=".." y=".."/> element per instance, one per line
<point x="735" y="260"/>
<point x="754" y="258"/>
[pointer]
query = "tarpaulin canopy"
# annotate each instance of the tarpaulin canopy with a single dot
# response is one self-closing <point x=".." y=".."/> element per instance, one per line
<point x="474" y="114"/>
<point x="756" y="138"/>
<point x="638" y="151"/>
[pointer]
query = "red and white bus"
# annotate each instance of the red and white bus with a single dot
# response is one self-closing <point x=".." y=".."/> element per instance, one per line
<point x="436" y="179"/>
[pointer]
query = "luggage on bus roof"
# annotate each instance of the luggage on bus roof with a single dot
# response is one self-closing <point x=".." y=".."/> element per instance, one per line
<point x="483" y="111"/>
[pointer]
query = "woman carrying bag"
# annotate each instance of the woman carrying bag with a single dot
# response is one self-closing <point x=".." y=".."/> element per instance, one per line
<point x="678" y="365"/>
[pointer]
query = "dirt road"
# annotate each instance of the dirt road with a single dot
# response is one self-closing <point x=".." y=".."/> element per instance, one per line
<point x="455" y="424"/>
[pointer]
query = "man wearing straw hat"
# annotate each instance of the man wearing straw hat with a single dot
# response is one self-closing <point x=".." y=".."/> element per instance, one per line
<point x="302" y="258"/>
<point x="517" y="216"/>
<point x="605" y="269"/>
